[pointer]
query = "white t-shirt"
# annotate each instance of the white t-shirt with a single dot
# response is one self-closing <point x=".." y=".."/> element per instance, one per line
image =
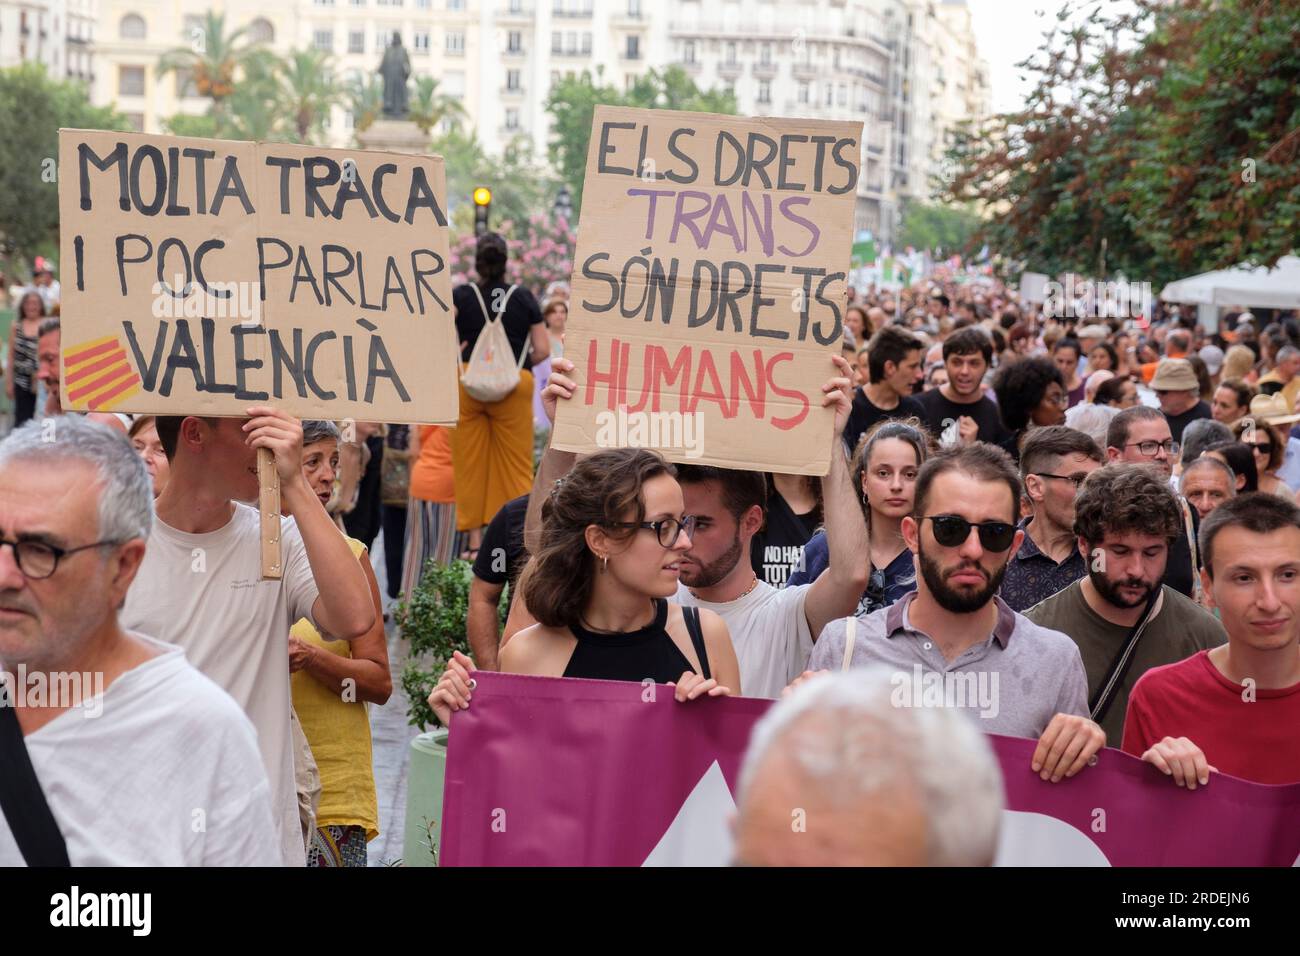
<point x="205" y="593"/>
<point x="165" y="773"/>
<point x="769" y="631"/>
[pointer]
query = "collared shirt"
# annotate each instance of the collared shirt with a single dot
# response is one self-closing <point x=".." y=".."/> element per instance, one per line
<point x="1013" y="682"/>
<point x="1032" y="576"/>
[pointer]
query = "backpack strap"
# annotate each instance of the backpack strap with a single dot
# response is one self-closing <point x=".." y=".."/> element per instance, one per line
<point x="1119" y="666"/>
<point x="25" y="809"/>
<point x="500" y="313"/>
<point x="850" y="638"/>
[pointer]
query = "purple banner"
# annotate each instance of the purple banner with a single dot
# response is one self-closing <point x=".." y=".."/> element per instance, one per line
<point x="550" y="772"/>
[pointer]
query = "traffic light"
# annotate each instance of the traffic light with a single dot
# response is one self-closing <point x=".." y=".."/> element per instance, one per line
<point x="482" y="203"/>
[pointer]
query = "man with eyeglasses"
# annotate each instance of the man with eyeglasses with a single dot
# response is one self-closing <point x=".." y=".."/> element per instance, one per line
<point x="1053" y="464"/>
<point x="1123" y="619"/>
<point x="152" y="764"/>
<point x="1141" y="436"/>
<point x="955" y="634"/>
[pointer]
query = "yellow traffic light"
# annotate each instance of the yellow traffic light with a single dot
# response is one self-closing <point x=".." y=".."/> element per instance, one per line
<point x="482" y="196"/>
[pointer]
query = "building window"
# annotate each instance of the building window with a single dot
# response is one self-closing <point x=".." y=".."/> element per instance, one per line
<point x="135" y="121"/>
<point x="261" y="31"/>
<point x="688" y="51"/>
<point x="324" y="3"/>
<point x="634" y="48"/>
<point x="634" y="9"/>
<point x="512" y="118"/>
<point x="514" y="41"/>
<point x="731" y="53"/>
<point x="830" y="94"/>
<point x="557" y="43"/>
<point x="130" y="81"/>
<point x="512" y="79"/>
<point x="323" y="40"/>
<point x="803" y="91"/>
<point x="455" y="4"/>
<point x="420" y="41"/>
<point x="835" y="57"/>
<point x="455" y="42"/>
<point x="765" y="91"/>
<point x="843" y="98"/>
<point x="356" y="41"/>
<point x="358" y="3"/>
<point x="516" y="6"/>
<point x="765" y="54"/>
<point x="132" y="27"/>
<point x="586" y="43"/>
<point x="422" y="4"/>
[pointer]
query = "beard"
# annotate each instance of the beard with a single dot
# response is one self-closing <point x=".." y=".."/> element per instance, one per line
<point x="710" y="574"/>
<point x="954" y="600"/>
<point x="1109" y="590"/>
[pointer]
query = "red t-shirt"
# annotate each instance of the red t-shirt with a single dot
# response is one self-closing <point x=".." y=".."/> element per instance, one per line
<point x="1256" y="740"/>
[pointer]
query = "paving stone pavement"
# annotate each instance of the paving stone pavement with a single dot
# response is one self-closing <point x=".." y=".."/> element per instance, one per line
<point x="391" y="738"/>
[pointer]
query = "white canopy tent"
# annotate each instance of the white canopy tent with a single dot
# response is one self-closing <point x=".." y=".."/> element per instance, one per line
<point x="1251" y="287"/>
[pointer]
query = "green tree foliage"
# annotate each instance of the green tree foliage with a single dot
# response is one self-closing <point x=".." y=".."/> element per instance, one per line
<point x="365" y="95"/>
<point x="213" y="59"/>
<point x="307" y="93"/>
<point x="1164" y="139"/>
<point x="927" y="226"/>
<point x="32" y="109"/>
<point x="520" y="188"/>
<point x="572" y="104"/>
<point x="428" y="108"/>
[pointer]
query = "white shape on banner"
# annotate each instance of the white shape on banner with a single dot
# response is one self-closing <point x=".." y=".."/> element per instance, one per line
<point x="700" y="834"/>
<point x="1035" y="839"/>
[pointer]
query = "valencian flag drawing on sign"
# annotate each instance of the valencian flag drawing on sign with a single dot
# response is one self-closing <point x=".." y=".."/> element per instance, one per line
<point x="564" y="772"/>
<point x="202" y="276"/>
<point x="709" y="287"/>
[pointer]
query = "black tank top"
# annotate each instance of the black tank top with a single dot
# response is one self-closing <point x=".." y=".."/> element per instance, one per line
<point x="635" y="655"/>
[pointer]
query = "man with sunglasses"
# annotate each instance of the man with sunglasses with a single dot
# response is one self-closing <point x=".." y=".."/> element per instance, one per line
<point x="1014" y="677"/>
<point x="153" y="764"/>
<point x="1125" y="518"/>
<point x="1141" y="436"/>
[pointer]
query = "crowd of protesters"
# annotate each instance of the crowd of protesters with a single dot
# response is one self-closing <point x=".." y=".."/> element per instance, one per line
<point x="1099" y="511"/>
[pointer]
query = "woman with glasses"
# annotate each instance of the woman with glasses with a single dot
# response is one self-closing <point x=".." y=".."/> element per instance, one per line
<point x="1268" y="445"/>
<point x="613" y="533"/>
<point x="1031" y="393"/>
<point x="885" y="467"/>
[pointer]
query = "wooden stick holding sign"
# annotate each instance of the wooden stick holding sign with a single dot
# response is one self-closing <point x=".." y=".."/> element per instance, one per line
<point x="268" y="498"/>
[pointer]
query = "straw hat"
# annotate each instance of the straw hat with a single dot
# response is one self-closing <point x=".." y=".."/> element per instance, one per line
<point x="1273" y="409"/>
<point x="1174" y="375"/>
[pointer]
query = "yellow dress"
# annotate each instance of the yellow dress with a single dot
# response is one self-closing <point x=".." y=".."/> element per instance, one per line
<point x="339" y="733"/>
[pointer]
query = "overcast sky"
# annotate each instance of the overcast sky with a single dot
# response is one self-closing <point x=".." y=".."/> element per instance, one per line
<point x="1007" y="31"/>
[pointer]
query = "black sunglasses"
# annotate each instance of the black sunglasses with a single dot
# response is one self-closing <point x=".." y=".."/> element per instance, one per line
<point x="951" y="531"/>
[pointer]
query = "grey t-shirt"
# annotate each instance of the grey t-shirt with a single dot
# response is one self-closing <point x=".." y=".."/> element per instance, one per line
<point x="1013" y="682"/>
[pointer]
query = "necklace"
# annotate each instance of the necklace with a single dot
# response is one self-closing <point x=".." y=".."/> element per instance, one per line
<point x="753" y="584"/>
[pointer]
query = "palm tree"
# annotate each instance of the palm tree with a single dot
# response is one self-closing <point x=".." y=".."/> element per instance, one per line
<point x="212" y="61"/>
<point x="365" y="94"/>
<point x="308" y="91"/>
<point x="255" y="109"/>
<point x="429" y="107"/>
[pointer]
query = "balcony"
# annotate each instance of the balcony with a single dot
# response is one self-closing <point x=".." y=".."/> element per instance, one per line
<point x="571" y="14"/>
<point x="730" y="70"/>
<point x="765" y="70"/>
<point x="514" y="54"/>
<point x="512" y="91"/>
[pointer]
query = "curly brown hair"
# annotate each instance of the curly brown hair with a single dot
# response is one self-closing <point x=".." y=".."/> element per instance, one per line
<point x="602" y="489"/>
<point x="1121" y="498"/>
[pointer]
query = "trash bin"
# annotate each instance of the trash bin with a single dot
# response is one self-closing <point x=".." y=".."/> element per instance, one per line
<point x="424" y="778"/>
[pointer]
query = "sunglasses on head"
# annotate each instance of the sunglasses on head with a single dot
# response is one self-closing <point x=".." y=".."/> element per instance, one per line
<point x="951" y="531"/>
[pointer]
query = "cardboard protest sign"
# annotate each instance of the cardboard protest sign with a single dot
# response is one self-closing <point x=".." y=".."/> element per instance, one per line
<point x="203" y="276"/>
<point x="709" y="287"/>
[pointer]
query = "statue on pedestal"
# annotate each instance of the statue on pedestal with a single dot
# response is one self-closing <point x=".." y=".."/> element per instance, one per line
<point x="395" y="69"/>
